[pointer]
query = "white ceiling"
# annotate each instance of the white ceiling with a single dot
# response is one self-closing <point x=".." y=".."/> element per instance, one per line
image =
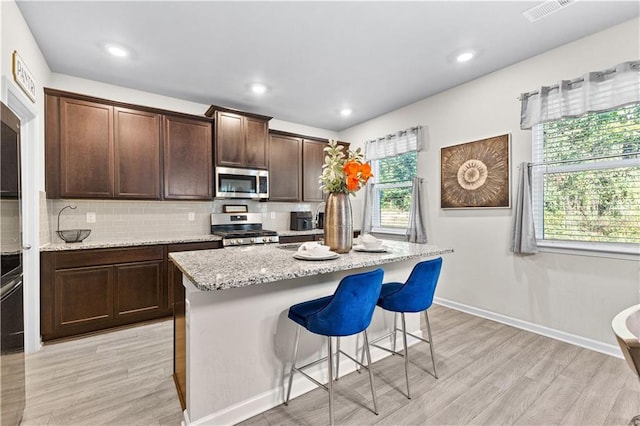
<point x="316" y="57"/>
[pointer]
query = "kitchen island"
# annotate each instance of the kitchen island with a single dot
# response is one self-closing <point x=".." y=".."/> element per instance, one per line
<point x="237" y="337"/>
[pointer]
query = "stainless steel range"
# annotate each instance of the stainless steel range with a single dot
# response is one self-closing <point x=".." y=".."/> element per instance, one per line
<point x="238" y="229"/>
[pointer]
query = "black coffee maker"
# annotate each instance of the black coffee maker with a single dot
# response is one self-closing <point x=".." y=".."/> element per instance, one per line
<point x="320" y="220"/>
<point x="301" y="221"/>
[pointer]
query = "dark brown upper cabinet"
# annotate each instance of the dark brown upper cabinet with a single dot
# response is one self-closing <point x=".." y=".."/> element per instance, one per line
<point x="241" y="139"/>
<point x="137" y="154"/>
<point x="188" y="161"/>
<point x="312" y="161"/>
<point x="285" y="167"/>
<point x="295" y="166"/>
<point x="86" y="149"/>
<point x="96" y="148"/>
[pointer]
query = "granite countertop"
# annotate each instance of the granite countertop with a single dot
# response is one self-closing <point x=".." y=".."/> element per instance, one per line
<point x="85" y="245"/>
<point x="62" y="246"/>
<point x="233" y="267"/>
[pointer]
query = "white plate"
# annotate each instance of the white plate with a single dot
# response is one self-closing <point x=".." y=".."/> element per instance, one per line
<point x="381" y="249"/>
<point x="307" y="256"/>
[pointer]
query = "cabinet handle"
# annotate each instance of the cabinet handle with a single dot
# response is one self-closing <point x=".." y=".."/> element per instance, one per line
<point x="26" y="247"/>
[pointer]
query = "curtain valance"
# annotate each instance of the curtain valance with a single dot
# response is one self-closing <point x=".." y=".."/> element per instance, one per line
<point x="395" y="144"/>
<point x="594" y="92"/>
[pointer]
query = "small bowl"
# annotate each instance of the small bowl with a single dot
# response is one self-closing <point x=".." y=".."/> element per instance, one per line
<point x="73" y="235"/>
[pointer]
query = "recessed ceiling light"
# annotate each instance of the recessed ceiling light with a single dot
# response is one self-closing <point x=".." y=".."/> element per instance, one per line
<point x="465" y="56"/>
<point x="118" y="51"/>
<point x="345" y="112"/>
<point x="259" y="88"/>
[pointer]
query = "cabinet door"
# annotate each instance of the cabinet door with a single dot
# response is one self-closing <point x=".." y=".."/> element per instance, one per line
<point x="256" y="143"/>
<point x="230" y="139"/>
<point x="188" y="163"/>
<point x="139" y="288"/>
<point x="83" y="297"/>
<point x="137" y="153"/>
<point x="312" y="160"/>
<point x="86" y="149"/>
<point x="285" y="155"/>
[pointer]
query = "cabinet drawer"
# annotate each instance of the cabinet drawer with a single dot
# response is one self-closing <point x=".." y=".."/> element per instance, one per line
<point x="96" y="257"/>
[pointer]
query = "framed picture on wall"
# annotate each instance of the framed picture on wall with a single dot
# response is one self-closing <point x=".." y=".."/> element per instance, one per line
<point x="476" y="174"/>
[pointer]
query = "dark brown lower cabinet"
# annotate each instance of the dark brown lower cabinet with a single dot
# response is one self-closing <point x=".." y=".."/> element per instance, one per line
<point x="83" y="291"/>
<point x="288" y="239"/>
<point x="83" y="296"/>
<point x="179" y="334"/>
<point x="139" y="288"/>
<point x="88" y="290"/>
<point x="177" y="298"/>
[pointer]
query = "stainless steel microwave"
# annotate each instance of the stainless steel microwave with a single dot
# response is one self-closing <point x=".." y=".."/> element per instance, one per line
<point x="242" y="183"/>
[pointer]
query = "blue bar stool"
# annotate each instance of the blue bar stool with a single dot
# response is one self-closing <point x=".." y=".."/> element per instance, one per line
<point x="347" y="312"/>
<point x="415" y="295"/>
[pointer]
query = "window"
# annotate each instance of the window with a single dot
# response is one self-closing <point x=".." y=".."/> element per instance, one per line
<point x="392" y="196"/>
<point x="586" y="181"/>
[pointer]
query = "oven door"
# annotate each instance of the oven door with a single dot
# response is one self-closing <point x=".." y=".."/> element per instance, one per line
<point x="241" y="183"/>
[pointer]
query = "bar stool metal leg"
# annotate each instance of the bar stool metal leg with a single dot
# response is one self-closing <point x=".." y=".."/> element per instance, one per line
<point x="406" y="353"/>
<point x="395" y="328"/>
<point x="373" y="389"/>
<point x="337" y="357"/>
<point x="433" y="360"/>
<point x="330" y="385"/>
<point x="293" y="364"/>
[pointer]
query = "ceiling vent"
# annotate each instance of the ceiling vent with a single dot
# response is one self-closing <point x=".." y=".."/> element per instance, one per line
<point x="545" y="9"/>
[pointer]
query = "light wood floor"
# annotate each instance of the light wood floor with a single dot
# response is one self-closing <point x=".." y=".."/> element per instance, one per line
<point x="116" y="378"/>
<point x="489" y="374"/>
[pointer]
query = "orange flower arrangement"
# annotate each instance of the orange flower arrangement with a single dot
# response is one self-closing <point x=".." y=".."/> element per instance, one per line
<point x="343" y="173"/>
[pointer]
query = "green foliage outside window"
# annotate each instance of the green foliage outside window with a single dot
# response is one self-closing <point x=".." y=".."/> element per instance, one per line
<point x="394" y="176"/>
<point x="592" y="179"/>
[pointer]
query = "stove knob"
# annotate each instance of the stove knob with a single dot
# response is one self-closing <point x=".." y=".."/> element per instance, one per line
<point x="235" y="242"/>
<point x="252" y="240"/>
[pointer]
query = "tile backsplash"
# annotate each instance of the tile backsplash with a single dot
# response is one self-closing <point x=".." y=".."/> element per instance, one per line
<point x="138" y="220"/>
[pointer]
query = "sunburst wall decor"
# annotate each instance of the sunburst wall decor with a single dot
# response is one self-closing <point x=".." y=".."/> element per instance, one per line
<point x="475" y="174"/>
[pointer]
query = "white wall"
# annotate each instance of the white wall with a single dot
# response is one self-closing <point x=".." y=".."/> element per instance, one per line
<point x="572" y="294"/>
<point x="123" y="94"/>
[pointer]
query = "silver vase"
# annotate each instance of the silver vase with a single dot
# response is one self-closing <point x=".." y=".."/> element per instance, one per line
<point x="338" y="223"/>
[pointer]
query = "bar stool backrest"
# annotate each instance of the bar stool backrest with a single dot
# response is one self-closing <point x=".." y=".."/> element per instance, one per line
<point x="351" y="307"/>
<point x="416" y="294"/>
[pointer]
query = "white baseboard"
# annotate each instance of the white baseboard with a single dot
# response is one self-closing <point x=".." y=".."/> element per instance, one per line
<point x="563" y="336"/>
<point x="274" y="397"/>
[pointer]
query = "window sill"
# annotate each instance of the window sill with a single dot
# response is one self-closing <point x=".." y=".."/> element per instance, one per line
<point x="397" y="232"/>
<point x="611" y="251"/>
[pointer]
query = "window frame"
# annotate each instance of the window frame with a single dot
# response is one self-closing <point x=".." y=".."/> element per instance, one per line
<point x="630" y="251"/>
<point x="376" y="227"/>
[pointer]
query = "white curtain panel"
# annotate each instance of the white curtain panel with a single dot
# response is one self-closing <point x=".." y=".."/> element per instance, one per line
<point x="594" y="92"/>
<point x="416" y="232"/>
<point x="523" y="234"/>
<point x="367" y="213"/>
<point x="395" y="144"/>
